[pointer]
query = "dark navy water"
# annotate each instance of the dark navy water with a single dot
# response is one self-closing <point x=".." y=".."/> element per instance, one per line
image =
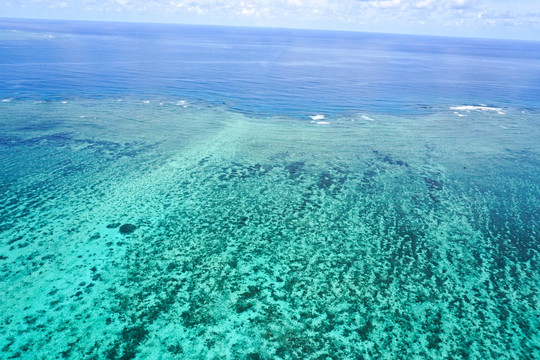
<point x="185" y="192"/>
<point x="267" y="70"/>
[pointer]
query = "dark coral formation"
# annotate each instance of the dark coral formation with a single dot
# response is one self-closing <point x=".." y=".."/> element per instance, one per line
<point x="127" y="228"/>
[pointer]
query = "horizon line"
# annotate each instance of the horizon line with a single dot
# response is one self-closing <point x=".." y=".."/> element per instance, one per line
<point x="266" y="27"/>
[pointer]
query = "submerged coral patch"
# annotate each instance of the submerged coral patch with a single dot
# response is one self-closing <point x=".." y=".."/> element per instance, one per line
<point x="127" y="228"/>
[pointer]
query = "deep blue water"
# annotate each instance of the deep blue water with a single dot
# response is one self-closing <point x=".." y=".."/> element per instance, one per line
<point x="267" y="70"/>
<point x="187" y="192"/>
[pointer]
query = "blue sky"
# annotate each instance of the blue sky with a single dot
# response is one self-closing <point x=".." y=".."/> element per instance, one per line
<point x="514" y="19"/>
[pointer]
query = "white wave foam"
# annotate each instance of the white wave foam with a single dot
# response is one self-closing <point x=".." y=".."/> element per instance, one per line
<point x="480" y="107"/>
<point x="365" y="117"/>
<point x="317" y="117"/>
<point x="6" y="100"/>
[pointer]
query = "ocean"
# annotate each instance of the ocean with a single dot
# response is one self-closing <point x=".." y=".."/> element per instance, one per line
<point x="196" y="192"/>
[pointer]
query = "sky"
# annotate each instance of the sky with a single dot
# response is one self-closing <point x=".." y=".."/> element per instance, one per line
<point x="505" y="19"/>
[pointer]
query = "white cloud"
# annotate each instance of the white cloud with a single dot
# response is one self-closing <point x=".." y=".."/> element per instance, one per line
<point x="460" y="4"/>
<point x="295" y="2"/>
<point x="371" y="15"/>
<point x="384" y="3"/>
<point x="424" y="4"/>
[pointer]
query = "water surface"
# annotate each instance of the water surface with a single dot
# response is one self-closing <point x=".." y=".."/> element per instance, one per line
<point x="174" y="192"/>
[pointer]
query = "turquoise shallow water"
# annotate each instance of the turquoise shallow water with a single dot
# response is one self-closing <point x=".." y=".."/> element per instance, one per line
<point x="358" y="236"/>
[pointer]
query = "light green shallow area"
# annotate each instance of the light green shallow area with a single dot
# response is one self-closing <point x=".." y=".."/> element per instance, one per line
<point x="366" y="236"/>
